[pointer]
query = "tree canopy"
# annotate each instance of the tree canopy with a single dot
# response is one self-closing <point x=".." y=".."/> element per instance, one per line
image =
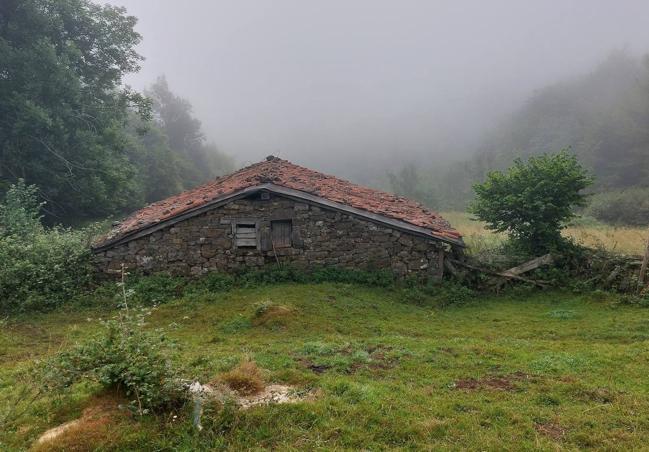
<point x="69" y="126"/>
<point x="533" y="200"/>
<point x="62" y="104"/>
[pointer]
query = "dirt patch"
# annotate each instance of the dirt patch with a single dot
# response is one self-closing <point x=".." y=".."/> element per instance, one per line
<point x="498" y="383"/>
<point x="85" y="433"/>
<point x="551" y="430"/>
<point x="315" y="368"/>
<point x="351" y="358"/>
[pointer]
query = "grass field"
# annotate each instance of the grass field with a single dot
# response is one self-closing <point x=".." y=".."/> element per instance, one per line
<point x="541" y="371"/>
<point x="588" y="232"/>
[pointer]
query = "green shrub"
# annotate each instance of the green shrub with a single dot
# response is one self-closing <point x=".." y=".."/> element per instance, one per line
<point x="211" y="282"/>
<point x="380" y="278"/>
<point x="156" y="289"/>
<point x="628" y="207"/>
<point x="452" y="294"/>
<point x="414" y="296"/>
<point x="271" y="275"/>
<point x="533" y="200"/>
<point x="40" y="268"/>
<point x="123" y="356"/>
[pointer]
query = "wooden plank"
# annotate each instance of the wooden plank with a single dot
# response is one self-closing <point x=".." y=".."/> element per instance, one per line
<point x="546" y="259"/>
<point x="440" y="265"/>
<point x="643" y="268"/>
<point x="246" y="235"/>
<point x="246" y="242"/>
<point x="542" y="284"/>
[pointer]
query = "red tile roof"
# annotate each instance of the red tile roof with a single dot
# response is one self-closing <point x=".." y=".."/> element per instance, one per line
<point x="283" y="173"/>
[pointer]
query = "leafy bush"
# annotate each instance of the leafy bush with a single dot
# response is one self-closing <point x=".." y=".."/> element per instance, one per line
<point x="533" y="201"/>
<point x="156" y="289"/>
<point x="628" y="207"/>
<point x="456" y="294"/>
<point x="380" y="278"/>
<point x="284" y="274"/>
<point x="211" y="282"/>
<point x="39" y="268"/>
<point x="125" y="356"/>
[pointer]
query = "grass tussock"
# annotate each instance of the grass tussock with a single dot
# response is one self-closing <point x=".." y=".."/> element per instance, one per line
<point x="270" y="314"/>
<point x="246" y="379"/>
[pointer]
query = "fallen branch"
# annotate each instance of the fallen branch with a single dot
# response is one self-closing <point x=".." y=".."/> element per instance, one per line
<point x="546" y="259"/>
<point x="525" y="267"/>
<point x="542" y="284"/>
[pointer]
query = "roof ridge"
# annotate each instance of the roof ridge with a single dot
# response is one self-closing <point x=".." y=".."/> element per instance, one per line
<point x="289" y="175"/>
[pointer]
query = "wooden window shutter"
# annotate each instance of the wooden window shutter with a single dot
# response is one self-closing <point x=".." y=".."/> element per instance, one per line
<point x="246" y="235"/>
<point x="281" y="233"/>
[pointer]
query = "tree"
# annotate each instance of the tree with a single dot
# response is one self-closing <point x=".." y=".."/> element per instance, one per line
<point x="198" y="161"/>
<point x="174" y="116"/>
<point x="408" y="183"/>
<point x="62" y="104"/>
<point x="533" y="201"/>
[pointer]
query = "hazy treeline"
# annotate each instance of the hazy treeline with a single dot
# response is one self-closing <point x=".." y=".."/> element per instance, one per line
<point x="603" y="117"/>
<point x="69" y="126"/>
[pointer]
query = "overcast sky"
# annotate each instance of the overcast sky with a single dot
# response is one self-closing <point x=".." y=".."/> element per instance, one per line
<point x="333" y="84"/>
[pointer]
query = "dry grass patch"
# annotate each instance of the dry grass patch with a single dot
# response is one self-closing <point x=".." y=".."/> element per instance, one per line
<point x="268" y="313"/>
<point x="245" y="379"/>
<point x="551" y="430"/>
<point x="621" y="239"/>
<point x="89" y="432"/>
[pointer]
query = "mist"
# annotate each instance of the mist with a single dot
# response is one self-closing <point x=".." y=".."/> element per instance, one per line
<point x="355" y="87"/>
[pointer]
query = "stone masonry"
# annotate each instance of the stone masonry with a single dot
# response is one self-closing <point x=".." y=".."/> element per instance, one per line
<point x="320" y="237"/>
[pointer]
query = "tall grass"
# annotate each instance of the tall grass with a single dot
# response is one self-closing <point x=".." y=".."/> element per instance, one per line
<point x="585" y="231"/>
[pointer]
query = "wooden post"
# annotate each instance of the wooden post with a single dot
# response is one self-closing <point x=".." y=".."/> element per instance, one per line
<point x="440" y="265"/>
<point x="643" y="268"/>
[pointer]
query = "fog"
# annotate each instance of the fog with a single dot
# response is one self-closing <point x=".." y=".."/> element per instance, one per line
<point x="353" y="87"/>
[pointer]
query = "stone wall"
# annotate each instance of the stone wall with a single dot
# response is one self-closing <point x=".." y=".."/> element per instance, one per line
<point x="320" y="238"/>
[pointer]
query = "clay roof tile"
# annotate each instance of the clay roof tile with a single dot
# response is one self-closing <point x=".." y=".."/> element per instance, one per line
<point x="286" y="174"/>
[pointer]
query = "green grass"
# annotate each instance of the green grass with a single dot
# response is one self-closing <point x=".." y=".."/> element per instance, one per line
<point x="535" y="371"/>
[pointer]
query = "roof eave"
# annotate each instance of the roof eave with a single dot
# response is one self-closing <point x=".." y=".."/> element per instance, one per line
<point x="289" y="193"/>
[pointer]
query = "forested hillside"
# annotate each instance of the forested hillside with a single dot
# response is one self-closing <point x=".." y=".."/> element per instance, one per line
<point x="603" y="117"/>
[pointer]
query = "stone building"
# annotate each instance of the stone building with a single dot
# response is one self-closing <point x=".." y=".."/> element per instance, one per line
<point x="276" y="213"/>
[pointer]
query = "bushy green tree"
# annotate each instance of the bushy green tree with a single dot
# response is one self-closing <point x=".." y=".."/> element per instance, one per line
<point x="63" y="106"/>
<point x="533" y="200"/>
